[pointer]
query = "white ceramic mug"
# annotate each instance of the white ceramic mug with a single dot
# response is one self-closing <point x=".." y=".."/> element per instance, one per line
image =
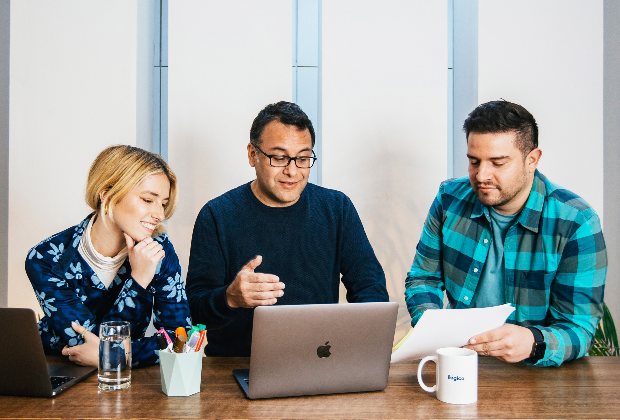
<point x="457" y="375"/>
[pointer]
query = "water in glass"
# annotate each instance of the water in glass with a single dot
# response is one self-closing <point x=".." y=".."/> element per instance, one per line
<point x="114" y="356"/>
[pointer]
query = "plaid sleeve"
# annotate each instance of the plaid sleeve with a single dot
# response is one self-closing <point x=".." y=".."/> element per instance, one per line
<point x="576" y="295"/>
<point x="424" y="285"/>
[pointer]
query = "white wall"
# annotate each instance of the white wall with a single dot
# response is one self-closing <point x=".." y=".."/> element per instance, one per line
<point x="384" y="104"/>
<point x="77" y="86"/>
<point x="72" y="93"/>
<point x="548" y="57"/>
<point x="227" y="60"/>
<point x="385" y="121"/>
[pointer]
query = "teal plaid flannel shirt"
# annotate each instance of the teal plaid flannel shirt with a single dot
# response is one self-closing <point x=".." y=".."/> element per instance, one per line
<point x="555" y="263"/>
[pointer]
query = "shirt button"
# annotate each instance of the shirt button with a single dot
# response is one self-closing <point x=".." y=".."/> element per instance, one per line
<point x="475" y="270"/>
<point x="486" y="241"/>
<point x="465" y="298"/>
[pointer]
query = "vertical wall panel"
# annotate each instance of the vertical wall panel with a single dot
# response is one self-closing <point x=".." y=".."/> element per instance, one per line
<point x="612" y="154"/>
<point x="465" y="86"/>
<point x="5" y="10"/>
<point x="227" y="61"/>
<point x="145" y="50"/>
<point x="163" y="114"/>
<point x="307" y="98"/>
<point x="159" y="110"/>
<point x="308" y="32"/>
<point x="307" y="70"/>
<point x="73" y="92"/>
<point x="385" y="121"/>
<point x="548" y="57"/>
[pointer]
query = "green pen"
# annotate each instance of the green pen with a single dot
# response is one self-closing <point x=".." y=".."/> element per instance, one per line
<point x="194" y="328"/>
<point x="201" y="327"/>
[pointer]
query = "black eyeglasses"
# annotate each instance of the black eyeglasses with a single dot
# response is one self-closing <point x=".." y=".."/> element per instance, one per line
<point x="282" y="161"/>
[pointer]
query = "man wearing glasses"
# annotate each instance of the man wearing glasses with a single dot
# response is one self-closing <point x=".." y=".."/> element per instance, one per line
<point x="276" y="239"/>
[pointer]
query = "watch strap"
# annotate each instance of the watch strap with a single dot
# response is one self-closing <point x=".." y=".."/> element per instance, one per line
<point x="539" y="347"/>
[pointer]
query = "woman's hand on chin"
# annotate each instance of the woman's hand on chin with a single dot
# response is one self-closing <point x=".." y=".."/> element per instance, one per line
<point x="86" y="354"/>
<point x="143" y="258"/>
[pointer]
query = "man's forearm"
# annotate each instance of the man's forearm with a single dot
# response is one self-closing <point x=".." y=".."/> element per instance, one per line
<point x="422" y="294"/>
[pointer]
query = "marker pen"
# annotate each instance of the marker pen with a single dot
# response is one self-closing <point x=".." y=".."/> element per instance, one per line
<point x="191" y="343"/>
<point x="194" y="329"/>
<point x="161" y="341"/>
<point x="163" y="331"/>
<point x="201" y="339"/>
<point x="179" y="343"/>
<point x="181" y="331"/>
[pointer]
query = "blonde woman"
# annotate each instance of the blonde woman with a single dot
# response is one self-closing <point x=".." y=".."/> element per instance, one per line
<point x="114" y="265"/>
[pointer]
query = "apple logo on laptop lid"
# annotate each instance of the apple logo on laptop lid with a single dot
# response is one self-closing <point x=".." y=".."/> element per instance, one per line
<point x="323" y="351"/>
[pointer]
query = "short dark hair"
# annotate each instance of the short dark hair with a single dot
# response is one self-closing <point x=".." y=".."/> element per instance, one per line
<point x="287" y="113"/>
<point x="503" y="117"/>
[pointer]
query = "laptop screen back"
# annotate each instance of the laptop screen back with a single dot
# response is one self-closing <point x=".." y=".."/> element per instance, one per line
<point x="23" y="370"/>
<point x="321" y="349"/>
<point x="23" y="367"/>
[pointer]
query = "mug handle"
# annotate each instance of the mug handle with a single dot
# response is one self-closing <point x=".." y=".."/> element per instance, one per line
<point x="420" y="366"/>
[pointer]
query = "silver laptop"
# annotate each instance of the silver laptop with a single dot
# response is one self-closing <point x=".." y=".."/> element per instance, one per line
<point x="319" y="349"/>
<point x="23" y="369"/>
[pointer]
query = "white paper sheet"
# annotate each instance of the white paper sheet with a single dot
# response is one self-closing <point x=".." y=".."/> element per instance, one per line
<point x="439" y="328"/>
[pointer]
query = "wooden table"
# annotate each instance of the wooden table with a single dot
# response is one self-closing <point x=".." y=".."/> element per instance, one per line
<point x="586" y="388"/>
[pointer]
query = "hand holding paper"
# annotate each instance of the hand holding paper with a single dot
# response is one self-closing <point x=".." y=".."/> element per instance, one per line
<point x="510" y="343"/>
<point x="439" y="328"/>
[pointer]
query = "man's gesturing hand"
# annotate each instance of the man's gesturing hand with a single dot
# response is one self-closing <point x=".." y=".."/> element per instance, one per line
<point x="250" y="289"/>
<point x="510" y="343"/>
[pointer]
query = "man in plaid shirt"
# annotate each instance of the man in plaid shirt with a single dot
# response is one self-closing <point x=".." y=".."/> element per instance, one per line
<point x="509" y="235"/>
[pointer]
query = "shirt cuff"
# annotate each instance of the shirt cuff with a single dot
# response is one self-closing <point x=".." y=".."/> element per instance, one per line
<point x="141" y="291"/>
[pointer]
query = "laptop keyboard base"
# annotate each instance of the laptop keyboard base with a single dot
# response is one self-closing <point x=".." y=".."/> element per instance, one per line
<point x="58" y="381"/>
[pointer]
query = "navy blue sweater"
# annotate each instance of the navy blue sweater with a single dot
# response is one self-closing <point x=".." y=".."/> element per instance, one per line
<point x="307" y="245"/>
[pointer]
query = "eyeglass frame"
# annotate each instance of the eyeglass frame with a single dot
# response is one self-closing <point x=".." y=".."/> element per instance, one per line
<point x="313" y="157"/>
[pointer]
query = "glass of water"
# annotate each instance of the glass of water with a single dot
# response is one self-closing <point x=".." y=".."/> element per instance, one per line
<point x="114" y="355"/>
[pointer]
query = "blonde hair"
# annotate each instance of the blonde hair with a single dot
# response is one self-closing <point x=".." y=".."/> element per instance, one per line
<point x="119" y="169"/>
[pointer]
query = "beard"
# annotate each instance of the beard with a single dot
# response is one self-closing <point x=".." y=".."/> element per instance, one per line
<point x="501" y="195"/>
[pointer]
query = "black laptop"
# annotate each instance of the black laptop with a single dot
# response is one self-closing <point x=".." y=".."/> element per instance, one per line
<point x="23" y="370"/>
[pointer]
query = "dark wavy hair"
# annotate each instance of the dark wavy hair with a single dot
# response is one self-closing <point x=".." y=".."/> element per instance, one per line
<point x="287" y="113"/>
<point x="503" y="117"/>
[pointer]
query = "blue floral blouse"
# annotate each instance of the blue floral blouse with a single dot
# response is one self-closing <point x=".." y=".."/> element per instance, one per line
<point x="68" y="291"/>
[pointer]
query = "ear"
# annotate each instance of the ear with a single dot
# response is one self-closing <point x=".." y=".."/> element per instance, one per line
<point x="251" y="155"/>
<point x="532" y="159"/>
<point x="102" y="195"/>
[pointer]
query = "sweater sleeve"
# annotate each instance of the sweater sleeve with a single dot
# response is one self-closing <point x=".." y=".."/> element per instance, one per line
<point x="362" y="274"/>
<point x="206" y="275"/>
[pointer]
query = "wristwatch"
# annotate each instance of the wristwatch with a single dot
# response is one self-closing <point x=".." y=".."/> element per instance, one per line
<point x="539" y="347"/>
